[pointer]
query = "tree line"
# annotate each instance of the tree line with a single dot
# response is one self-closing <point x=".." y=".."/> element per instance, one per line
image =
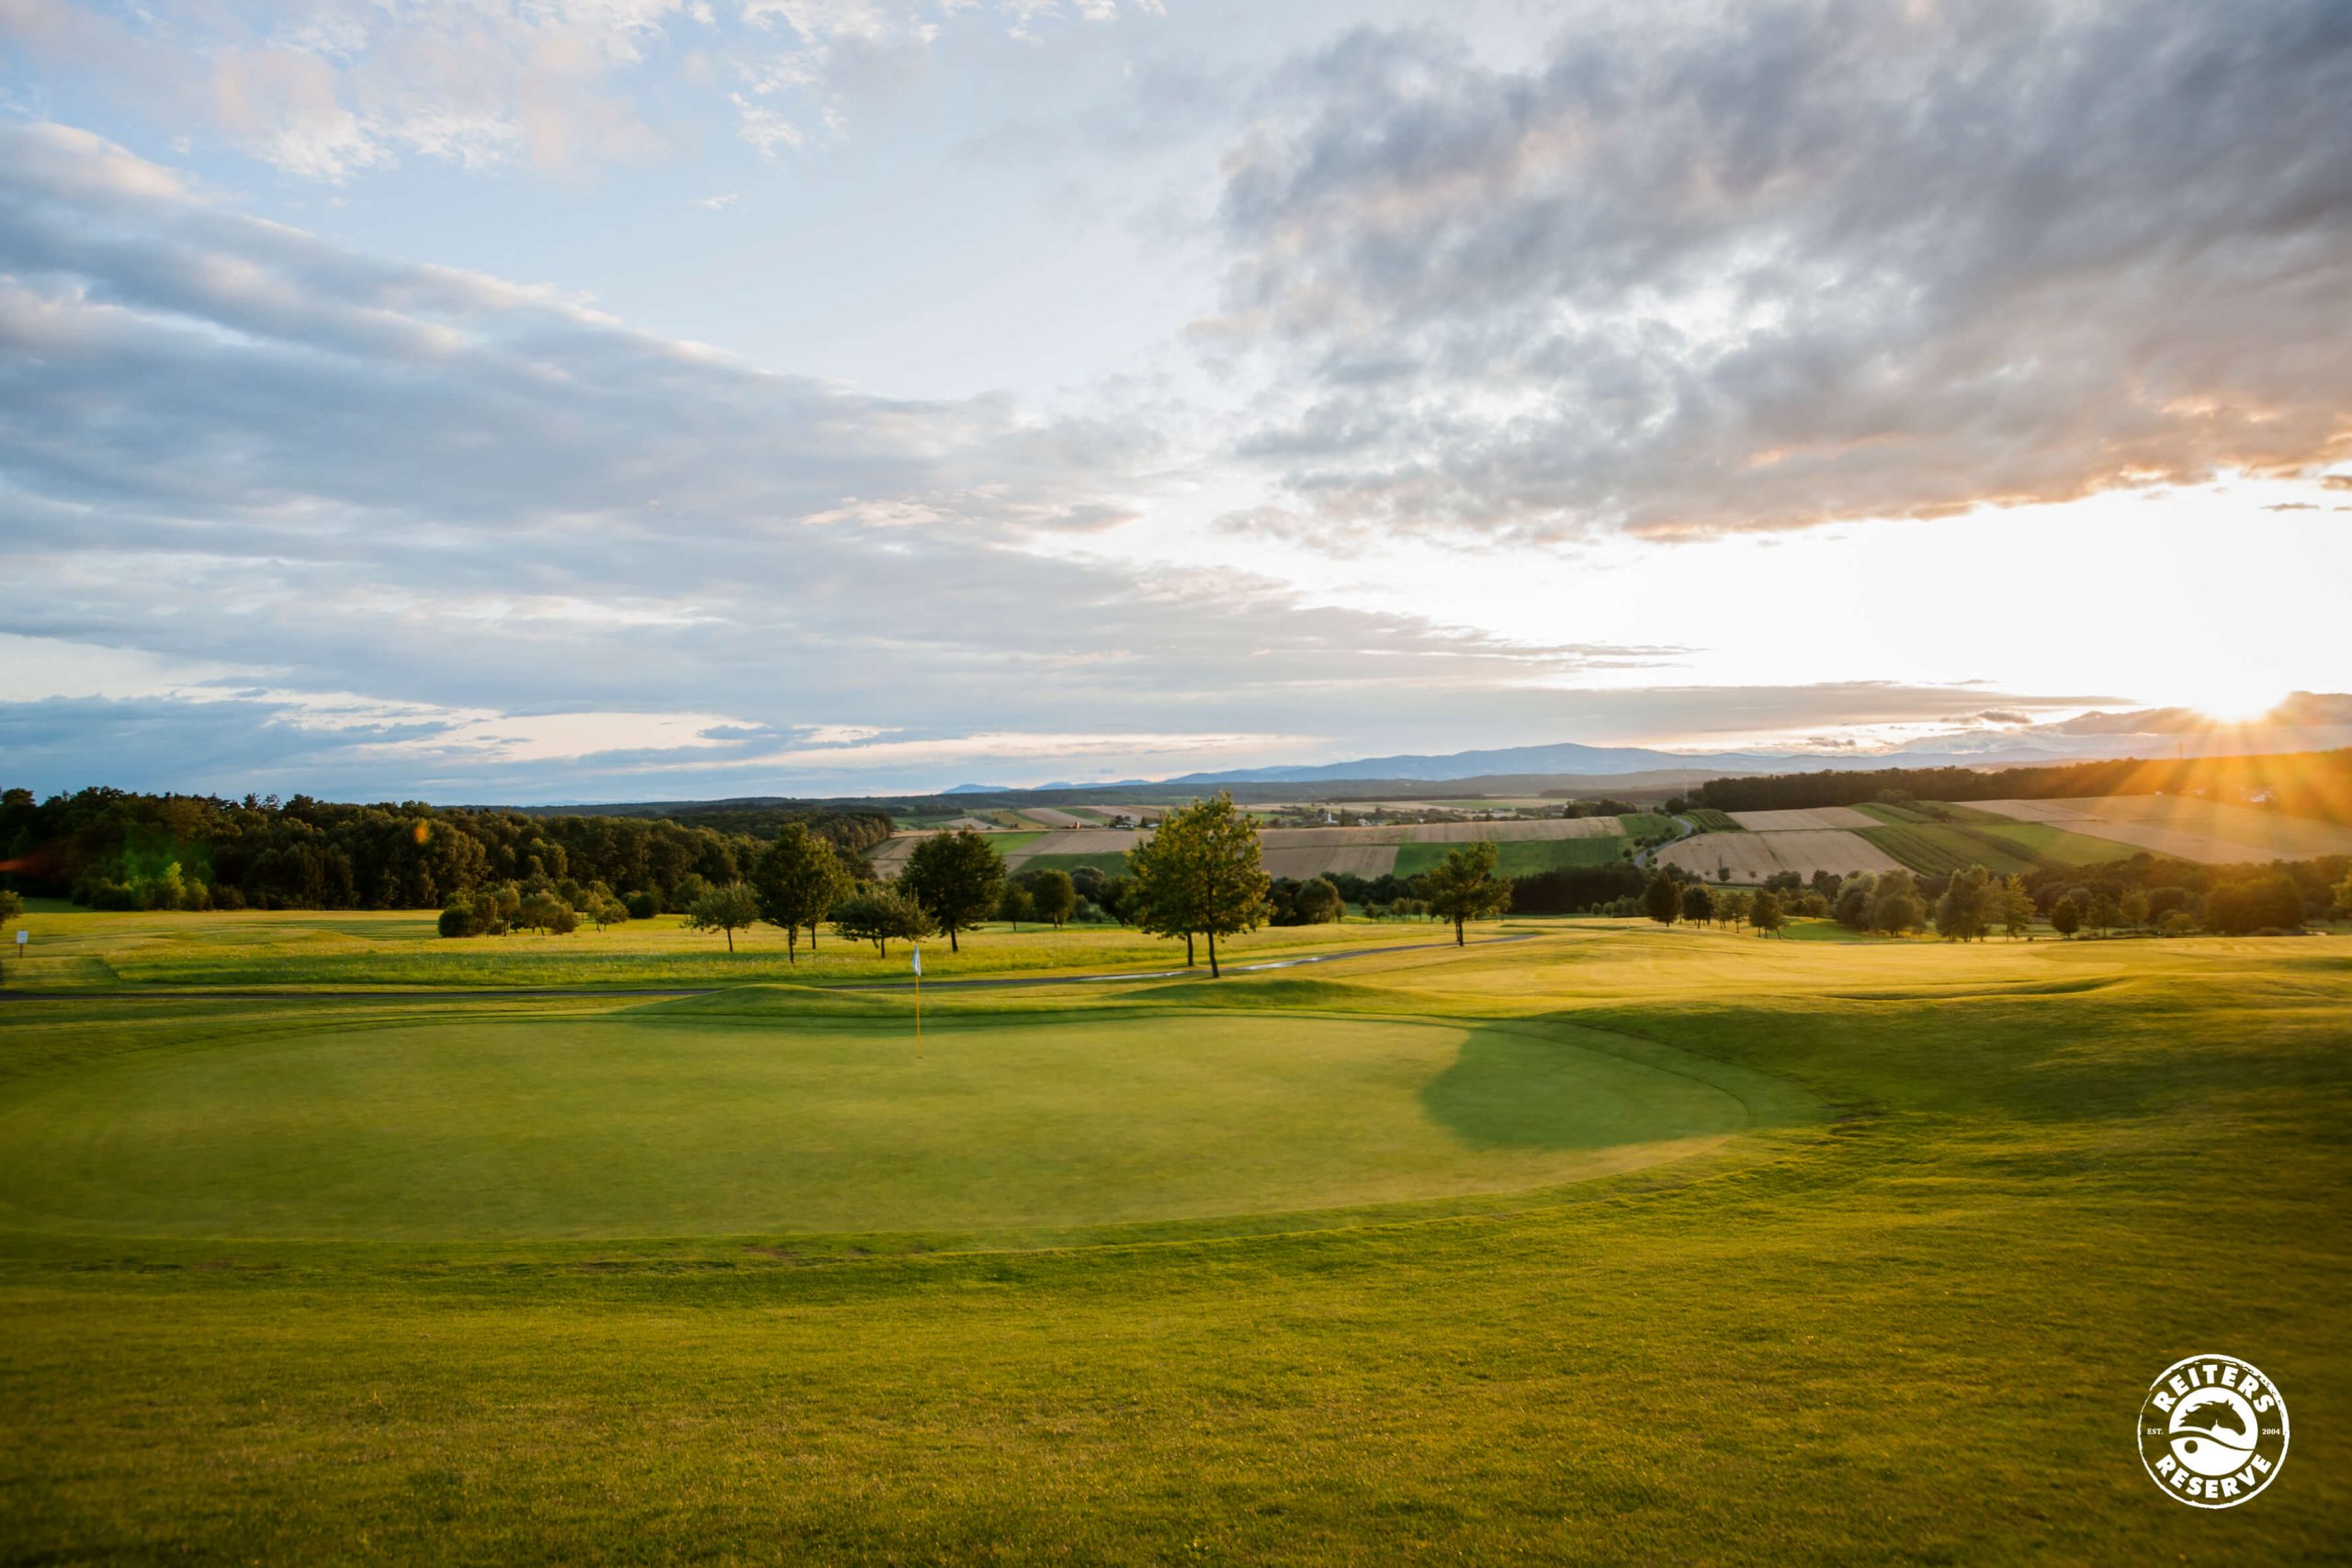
<point x="114" y="850"/>
<point x="2146" y="893"/>
<point x="2302" y="783"/>
<point x="1200" y="875"/>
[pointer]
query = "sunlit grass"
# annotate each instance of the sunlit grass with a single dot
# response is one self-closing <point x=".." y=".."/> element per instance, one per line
<point x="1915" y="1331"/>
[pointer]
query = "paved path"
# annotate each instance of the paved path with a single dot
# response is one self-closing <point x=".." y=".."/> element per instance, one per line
<point x="524" y="993"/>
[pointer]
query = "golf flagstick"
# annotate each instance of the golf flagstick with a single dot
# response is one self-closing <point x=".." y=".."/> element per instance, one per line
<point x="918" y="947"/>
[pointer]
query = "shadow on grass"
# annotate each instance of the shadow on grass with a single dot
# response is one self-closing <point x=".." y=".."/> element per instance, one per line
<point x="1517" y="1089"/>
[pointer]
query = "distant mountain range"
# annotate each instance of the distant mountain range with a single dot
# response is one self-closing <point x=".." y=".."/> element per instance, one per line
<point x="2304" y="722"/>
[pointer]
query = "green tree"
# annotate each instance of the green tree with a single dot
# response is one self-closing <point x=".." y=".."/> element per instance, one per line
<point x="1852" y="907"/>
<point x="1965" y="911"/>
<point x="731" y="908"/>
<point x="1200" y="873"/>
<point x="956" y="878"/>
<point x="1054" y="895"/>
<point x="2013" y="906"/>
<point x="1894" y="903"/>
<point x="543" y="911"/>
<point x="876" y="913"/>
<point x="12" y="907"/>
<point x="797" y="880"/>
<point x="1014" y="905"/>
<point x="1464" y="888"/>
<point x="1764" y="911"/>
<point x="1319" y="901"/>
<point x="1698" y="903"/>
<point x="2134" y="907"/>
<point x="2067" y="915"/>
<point x="1662" y="898"/>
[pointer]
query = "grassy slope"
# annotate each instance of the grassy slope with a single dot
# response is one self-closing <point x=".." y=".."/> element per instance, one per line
<point x="1916" y="1335"/>
<point x="1646" y="824"/>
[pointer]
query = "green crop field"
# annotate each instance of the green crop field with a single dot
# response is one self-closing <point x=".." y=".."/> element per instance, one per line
<point x="1710" y="820"/>
<point x="2001" y="848"/>
<point x="1614" y="1244"/>
<point x="1110" y="862"/>
<point x="1648" y="824"/>
<point x="1523" y="857"/>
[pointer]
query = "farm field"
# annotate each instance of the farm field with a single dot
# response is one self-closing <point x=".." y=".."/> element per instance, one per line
<point x="2183" y="828"/>
<point x="1523" y="857"/>
<point x="1818" y="817"/>
<point x="2001" y="848"/>
<point x="1752" y="856"/>
<point x="736" y="1278"/>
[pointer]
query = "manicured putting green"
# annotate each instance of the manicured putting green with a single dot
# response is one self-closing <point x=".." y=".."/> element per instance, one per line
<point x="640" y="1125"/>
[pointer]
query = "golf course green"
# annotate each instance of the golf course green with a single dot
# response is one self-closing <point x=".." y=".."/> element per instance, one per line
<point x="660" y="1122"/>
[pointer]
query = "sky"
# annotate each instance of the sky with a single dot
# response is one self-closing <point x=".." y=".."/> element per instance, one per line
<point x="610" y="399"/>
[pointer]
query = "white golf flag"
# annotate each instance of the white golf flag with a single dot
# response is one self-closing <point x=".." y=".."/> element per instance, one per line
<point x="918" y="960"/>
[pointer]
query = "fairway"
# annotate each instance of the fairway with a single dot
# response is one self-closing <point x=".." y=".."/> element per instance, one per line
<point x="1380" y="1261"/>
<point x="651" y="1123"/>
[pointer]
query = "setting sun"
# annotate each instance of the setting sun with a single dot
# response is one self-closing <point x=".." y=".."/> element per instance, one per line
<point x="2228" y="696"/>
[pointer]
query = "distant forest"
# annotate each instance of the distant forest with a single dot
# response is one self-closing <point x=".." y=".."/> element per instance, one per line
<point x="111" y="849"/>
<point x="2302" y="783"/>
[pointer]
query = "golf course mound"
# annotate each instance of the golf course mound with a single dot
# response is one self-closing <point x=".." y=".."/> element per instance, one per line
<point x="447" y="1126"/>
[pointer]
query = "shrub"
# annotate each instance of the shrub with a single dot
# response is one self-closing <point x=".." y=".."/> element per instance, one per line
<point x="641" y="905"/>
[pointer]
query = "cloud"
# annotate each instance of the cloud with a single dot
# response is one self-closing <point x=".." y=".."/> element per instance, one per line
<point x="396" y="523"/>
<point x="1705" y="269"/>
<point x="326" y="88"/>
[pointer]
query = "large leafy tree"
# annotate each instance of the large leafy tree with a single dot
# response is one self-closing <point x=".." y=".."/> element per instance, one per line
<point x="2015" y="906"/>
<point x="878" y="914"/>
<point x="1894" y="903"/>
<point x="731" y="908"/>
<point x="1054" y="895"/>
<point x="1201" y="872"/>
<point x="1965" y="911"/>
<point x="956" y="877"/>
<point x="1464" y="888"/>
<point x="798" y="880"/>
<point x="1662" y="899"/>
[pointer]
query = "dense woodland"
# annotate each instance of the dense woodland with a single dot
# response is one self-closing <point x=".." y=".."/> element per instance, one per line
<point x="109" y="848"/>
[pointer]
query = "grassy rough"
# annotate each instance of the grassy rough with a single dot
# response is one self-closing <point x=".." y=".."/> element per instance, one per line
<point x="1915" y="1333"/>
<point x="399" y="948"/>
